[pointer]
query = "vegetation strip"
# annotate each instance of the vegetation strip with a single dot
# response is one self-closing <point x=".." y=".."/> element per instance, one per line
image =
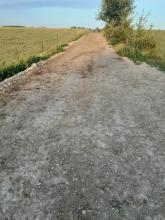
<point x="135" y="41"/>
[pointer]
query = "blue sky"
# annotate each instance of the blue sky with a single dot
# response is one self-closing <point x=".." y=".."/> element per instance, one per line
<point x="66" y="13"/>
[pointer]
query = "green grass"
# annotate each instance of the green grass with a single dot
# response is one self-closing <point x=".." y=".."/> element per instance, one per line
<point x="20" y="47"/>
<point x="155" y="58"/>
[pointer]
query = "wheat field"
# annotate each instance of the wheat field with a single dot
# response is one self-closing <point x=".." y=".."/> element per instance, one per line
<point x="18" y="43"/>
<point x="160" y="41"/>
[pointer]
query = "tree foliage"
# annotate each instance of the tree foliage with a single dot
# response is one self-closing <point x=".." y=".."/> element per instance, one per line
<point x="112" y="10"/>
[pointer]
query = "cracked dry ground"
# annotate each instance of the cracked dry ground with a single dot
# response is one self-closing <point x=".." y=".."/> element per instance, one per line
<point x="84" y="139"/>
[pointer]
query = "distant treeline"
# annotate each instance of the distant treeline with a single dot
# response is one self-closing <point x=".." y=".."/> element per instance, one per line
<point x="18" y="26"/>
<point x="94" y="30"/>
<point x="75" y="27"/>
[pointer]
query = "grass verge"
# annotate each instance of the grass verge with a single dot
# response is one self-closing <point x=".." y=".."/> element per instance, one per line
<point x="13" y="69"/>
<point x="139" y="56"/>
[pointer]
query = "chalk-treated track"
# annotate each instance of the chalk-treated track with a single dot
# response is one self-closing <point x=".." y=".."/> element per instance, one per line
<point x="85" y="139"/>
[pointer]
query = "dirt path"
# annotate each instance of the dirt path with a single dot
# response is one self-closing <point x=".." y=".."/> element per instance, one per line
<point x="85" y="140"/>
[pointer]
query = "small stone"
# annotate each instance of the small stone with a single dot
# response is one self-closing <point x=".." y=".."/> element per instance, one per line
<point x="84" y="212"/>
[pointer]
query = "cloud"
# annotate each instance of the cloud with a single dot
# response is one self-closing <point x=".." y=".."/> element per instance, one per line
<point x="49" y="3"/>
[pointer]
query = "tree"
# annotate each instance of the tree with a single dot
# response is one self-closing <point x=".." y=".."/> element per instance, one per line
<point x="112" y="10"/>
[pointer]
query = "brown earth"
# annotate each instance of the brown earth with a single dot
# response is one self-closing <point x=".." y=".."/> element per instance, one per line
<point x="84" y="139"/>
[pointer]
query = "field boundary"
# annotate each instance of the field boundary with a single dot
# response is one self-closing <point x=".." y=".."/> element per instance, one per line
<point x="22" y="63"/>
<point x="14" y="82"/>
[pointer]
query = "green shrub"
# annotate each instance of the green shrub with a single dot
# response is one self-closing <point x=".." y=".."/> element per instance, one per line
<point x="118" y="33"/>
<point x="11" y="70"/>
<point x="136" y="42"/>
<point x="142" y="38"/>
<point x="33" y="59"/>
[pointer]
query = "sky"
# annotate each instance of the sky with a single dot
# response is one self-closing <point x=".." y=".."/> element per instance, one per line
<point x="67" y="13"/>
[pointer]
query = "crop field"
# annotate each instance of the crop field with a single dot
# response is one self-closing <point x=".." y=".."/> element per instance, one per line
<point x="18" y="44"/>
<point x="160" y="40"/>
